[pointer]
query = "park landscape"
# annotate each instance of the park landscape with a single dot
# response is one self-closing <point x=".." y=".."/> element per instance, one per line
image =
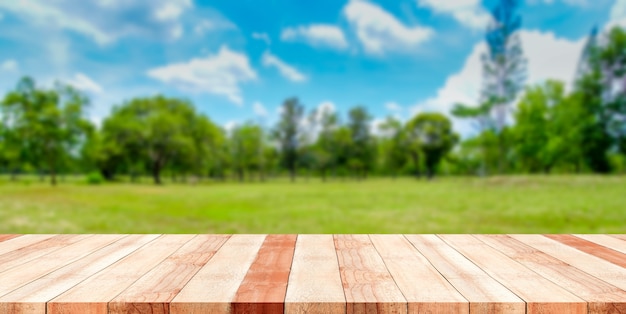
<point x="547" y="157"/>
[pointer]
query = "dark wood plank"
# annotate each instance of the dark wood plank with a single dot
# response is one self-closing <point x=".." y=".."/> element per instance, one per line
<point x="589" y="247"/>
<point x="264" y="288"/>
<point x="4" y="237"/>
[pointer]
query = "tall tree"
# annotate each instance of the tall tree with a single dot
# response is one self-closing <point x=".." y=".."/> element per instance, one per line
<point x="504" y="66"/>
<point x="431" y="136"/>
<point x="247" y="149"/>
<point x="287" y="133"/>
<point x="362" y="153"/>
<point x="393" y="146"/>
<point x="49" y="124"/>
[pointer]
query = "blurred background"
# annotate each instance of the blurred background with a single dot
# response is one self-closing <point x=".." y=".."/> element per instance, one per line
<point x="358" y="116"/>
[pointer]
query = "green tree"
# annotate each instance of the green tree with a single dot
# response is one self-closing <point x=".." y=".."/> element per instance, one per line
<point x="48" y="124"/>
<point x="393" y="146"/>
<point x="287" y="133"/>
<point x="247" y="149"/>
<point x="157" y="132"/>
<point x="363" y="151"/>
<point x="430" y="135"/>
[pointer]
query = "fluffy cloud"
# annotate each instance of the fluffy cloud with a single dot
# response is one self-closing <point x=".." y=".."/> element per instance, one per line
<point x="84" y="83"/>
<point x="618" y="14"/>
<point x="318" y="35"/>
<point x="379" y="31"/>
<point x="549" y="57"/>
<point x="570" y="2"/>
<point x="219" y="74"/>
<point x="115" y="19"/>
<point x="9" y="65"/>
<point x="259" y="109"/>
<point x="262" y="36"/>
<point x="286" y="70"/>
<point x="467" y="12"/>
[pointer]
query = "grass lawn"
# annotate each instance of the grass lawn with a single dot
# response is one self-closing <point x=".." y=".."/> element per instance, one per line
<point x="517" y="204"/>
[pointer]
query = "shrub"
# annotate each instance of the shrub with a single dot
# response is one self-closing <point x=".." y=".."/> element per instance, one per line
<point x="94" y="178"/>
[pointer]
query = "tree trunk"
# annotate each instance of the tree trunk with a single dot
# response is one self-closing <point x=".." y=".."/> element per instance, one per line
<point x="53" y="176"/>
<point x="416" y="160"/>
<point x="156" y="172"/>
<point x="501" y="152"/>
<point x="292" y="173"/>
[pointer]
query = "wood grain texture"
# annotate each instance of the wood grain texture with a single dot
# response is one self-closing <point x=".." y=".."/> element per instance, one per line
<point x="25" y="273"/>
<point x="92" y="295"/>
<point x="159" y="286"/>
<point x="588" y="263"/>
<point x="540" y="294"/>
<point x="4" y="237"/>
<point x="605" y="240"/>
<point x="619" y="236"/>
<point x="314" y="282"/>
<point x="601" y="296"/>
<point x="35" y="294"/>
<point x="27" y="248"/>
<point x="412" y="272"/>
<point x="600" y="251"/>
<point x="368" y="285"/>
<point x="264" y="288"/>
<point x="214" y="286"/>
<point x="484" y="293"/>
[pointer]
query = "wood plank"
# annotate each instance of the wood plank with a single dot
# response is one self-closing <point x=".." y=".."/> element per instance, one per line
<point x="38" y="249"/>
<point x="588" y="263"/>
<point x="368" y="285"/>
<point x="23" y="241"/>
<point x="33" y="296"/>
<point x="601" y="296"/>
<point x="314" y="282"/>
<point x="213" y="288"/>
<point x="619" y="236"/>
<point x="540" y="294"/>
<point x="92" y="295"/>
<point x="485" y="294"/>
<point x="600" y="251"/>
<point x="159" y="286"/>
<point x="264" y="288"/>
<point x="412" y="272"/>
<point x="4" y="237"/>
<point x="605" y="240"/>
<point x="25" y="273"/>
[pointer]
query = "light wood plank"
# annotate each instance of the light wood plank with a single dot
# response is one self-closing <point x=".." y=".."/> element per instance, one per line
<point x="314" y="282"/>
<point x="540" y="294"/>
<point x="601" y="296"/>
<point x="92" y="295"/>
<point x="32" y="297"/>
<point x="4" y="237"/>
<point x="424" y="288"/>
<point x="159" y="286"/>
<point x="16" y="244"/>
<point x="605" y="240"/>
<point x="588" y="263"/>
<point x="619" y="236"/>
<point x="25" y="273"/>
<point x="265" y="285"/>
<point x="38" y="249"/>
<point x="484" y="293"/>
<point x="213" y="288"/>
<point x="600" y="251"/>
<point x="368" y="285"/>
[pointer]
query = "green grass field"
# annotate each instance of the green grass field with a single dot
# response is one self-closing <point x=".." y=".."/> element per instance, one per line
<point x="520" y="204"/>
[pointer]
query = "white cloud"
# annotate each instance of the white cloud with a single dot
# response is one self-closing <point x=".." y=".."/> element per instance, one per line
<point x="379" y="31"/>
<point x="262" y="36"/>
<point x="158" y="18"/>
<point x="467" y="12"/>
<point x="570" y="2"/>
<point x="287" y="71"/>
<point x="9" y="65"/>
<point x="219" y="74"/>
<point x="84" y="83"/>
<point x="393" y="106"/>
<point x="259" y="109"/>
<point x="318" y="35"/>
<point x="618" y="14"/>
<point x="549" y="57"/>
<point x="1" y="16"/>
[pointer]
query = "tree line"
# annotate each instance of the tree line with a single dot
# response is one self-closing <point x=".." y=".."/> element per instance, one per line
<point x="543" y="128"/>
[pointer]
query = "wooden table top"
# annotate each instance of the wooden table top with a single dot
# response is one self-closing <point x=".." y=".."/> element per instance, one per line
<point x="116" y="273"/>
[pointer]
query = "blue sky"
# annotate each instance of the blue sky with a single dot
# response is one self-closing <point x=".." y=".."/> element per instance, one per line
<point x="238" y="60"/>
